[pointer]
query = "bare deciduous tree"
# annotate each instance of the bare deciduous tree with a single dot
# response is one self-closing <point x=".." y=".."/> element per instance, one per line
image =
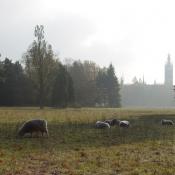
<point x="39" y="63"/>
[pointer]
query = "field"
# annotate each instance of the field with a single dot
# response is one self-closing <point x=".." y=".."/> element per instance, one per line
<point x="75" y="147"/>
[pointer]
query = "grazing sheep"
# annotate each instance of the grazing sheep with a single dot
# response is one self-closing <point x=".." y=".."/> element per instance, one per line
<point x="36" y="125"/>
<point x="100" y="125"/>
<point x="167" y="122"/>
<point x="124" y="123"/>
<point x="111" y="122"/>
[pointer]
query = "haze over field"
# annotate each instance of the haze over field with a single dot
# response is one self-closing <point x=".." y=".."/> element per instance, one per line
<point x="135" y="36"/>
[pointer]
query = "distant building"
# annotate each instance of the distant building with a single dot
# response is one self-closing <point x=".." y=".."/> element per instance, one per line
<point x="168" y="73"/>
<point x="140" y="94"/>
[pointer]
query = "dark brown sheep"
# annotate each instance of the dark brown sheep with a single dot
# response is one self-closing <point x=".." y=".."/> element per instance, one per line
<point x="31" y="126"/>
<point x="111" y="122"/>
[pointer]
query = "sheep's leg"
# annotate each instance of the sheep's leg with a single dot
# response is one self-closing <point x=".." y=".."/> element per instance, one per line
<point x="47" y="134"/>
<point x="38" y="134"/>
<point x="43" y="133"/>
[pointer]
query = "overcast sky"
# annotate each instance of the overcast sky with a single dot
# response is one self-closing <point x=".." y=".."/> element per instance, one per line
<point x="135" y="35"/>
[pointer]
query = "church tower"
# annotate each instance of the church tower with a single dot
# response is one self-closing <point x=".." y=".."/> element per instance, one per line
<point x="168" y="72"/>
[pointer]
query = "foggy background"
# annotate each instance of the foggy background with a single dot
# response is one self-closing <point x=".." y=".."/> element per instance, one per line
<point x="136" y="36"/>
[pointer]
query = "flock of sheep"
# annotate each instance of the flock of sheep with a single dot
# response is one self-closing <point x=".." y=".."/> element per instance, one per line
<point x="40" y="126"/>
<point x="124" y="123"/>
<point x="112" y="122"/>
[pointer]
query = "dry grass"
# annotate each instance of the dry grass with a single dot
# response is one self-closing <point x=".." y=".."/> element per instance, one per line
<point x="75" y="147"/>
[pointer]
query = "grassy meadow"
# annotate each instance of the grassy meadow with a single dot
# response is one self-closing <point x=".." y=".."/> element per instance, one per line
<point x="76" y="147"/>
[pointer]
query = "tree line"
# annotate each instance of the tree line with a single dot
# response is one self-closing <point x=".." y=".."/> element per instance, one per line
<point x="41" y="79"/>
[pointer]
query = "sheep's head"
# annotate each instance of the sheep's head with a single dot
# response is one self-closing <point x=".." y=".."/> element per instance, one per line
<point x="117" y="122"/>
<point x="21" y="132"/>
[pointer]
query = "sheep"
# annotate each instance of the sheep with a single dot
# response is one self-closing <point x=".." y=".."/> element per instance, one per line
<point x="123" y="123"/>
<point x="100" y="124"/>
<point x="35" y="125"/>
<point x="111" y="122"/>
<point x="167" y="122"/>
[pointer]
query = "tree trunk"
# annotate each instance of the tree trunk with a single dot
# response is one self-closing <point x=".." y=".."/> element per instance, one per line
<point x="41" y="98"/>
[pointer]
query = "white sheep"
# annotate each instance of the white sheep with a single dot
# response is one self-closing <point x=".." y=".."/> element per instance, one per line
<point x="124" y="124"/>
<point x="167" y="122"/>
<point x="36" y="125"/>
<point x="100" y="124"/>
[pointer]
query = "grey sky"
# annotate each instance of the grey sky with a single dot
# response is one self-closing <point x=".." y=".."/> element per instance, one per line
<point x="135" y="36"/>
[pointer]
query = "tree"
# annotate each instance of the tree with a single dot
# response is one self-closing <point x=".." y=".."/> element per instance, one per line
<point x="113" y="88"/>
<point x="101" y="81"/>
<point x="40" y="63"/>
<point x="83" y="75"/>
<point x="15" y="88"/>
<point x="108" y="88"/>
<point x="63" y="91"/>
